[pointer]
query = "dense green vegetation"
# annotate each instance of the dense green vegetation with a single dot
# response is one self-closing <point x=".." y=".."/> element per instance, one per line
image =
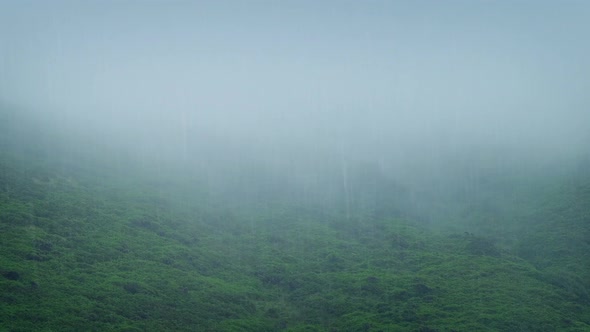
<point x="90" y="243"/>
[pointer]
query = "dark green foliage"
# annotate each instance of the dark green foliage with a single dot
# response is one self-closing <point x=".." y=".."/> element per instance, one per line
<point x="481" y="246"/>
<point x="11" y="275"/>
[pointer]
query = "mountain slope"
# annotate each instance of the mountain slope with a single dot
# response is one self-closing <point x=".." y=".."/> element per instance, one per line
<point x="89" y="246"/>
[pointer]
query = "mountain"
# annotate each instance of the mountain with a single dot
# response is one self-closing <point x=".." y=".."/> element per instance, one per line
<point x="94" y="239"/>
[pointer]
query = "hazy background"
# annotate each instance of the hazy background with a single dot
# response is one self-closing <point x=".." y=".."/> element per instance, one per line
<point x="402" y="84"/>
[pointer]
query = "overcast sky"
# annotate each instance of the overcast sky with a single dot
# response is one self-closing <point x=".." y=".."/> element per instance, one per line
<point x="345" y="74"/>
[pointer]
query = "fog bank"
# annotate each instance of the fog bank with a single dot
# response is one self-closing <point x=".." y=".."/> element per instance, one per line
<point x="404" y="85"/>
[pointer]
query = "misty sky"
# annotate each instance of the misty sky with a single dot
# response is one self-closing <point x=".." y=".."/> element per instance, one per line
<point x="342" y="74"/>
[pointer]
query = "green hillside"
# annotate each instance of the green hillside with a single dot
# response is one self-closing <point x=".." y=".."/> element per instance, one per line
<point x="92" y="240"/>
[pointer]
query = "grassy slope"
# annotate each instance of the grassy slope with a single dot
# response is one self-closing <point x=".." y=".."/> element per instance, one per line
<point x="85" y="247"/>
